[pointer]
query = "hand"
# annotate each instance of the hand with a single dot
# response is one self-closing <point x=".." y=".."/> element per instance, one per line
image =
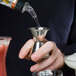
<point x="55" y="61"/>
<point x="26" y="50"/>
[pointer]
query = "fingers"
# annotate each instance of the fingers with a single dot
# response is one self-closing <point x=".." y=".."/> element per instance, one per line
<point x="55" y="61"/>
<point x="45" y="49"/>
<point x="41" y="38"/>
<point x="26" y="48"/>
<point x="28" y="57"/>
<point x="57" y="64"/>
<point x="41" y="65"/>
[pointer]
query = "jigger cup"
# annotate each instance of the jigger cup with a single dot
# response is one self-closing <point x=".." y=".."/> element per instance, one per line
<point x="4" y="43"/>
<point x="36" y="32"/>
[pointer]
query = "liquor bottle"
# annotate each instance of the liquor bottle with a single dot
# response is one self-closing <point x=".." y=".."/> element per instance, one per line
<point x="14" y="4"/>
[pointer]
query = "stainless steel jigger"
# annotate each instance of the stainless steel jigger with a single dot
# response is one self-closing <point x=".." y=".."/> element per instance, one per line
<point x="36" y="32"/>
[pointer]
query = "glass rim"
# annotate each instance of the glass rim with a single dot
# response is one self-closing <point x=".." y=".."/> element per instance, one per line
<point x="69" y="59"/>
<point x="5" y="38"/>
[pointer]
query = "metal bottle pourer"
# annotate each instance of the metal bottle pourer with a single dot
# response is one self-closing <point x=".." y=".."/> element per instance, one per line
<point x="36" y="32"/>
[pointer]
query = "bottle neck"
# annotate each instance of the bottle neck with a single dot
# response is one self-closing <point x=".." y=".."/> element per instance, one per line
<point x="19" y="5"/>
<point x="14" y="4"/>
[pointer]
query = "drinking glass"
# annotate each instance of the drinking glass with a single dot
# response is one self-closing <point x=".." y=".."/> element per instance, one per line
<point x="48" y="73"/>
<point x="70" y="61"/>
<point x="4" y="43"/>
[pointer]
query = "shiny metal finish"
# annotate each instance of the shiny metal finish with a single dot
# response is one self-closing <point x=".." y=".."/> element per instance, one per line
<point x="36" y="32"/>
<point x="37" y="45"/>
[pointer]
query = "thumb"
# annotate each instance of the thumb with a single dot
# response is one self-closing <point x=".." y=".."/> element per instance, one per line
<point x="41" y="37"/>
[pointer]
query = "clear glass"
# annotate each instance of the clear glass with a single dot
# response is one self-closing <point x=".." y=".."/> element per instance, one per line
<point x="70" y="61"/>
<point x="48" y="73"/>
<point x="4" y="43"/>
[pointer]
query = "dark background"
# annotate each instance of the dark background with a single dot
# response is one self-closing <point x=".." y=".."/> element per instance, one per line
<point x="16" y="25"/>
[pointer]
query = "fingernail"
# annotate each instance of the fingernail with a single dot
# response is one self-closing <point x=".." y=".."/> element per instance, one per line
<point x="32" y="69"/>
<point x="34" y="57"/>
<point x="21" y="56"/>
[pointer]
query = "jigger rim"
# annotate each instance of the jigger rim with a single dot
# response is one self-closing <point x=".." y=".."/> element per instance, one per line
<point x="37" y="28"/>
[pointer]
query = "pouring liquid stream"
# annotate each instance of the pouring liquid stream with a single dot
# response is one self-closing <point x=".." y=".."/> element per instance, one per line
<point x="32" y="12"/>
